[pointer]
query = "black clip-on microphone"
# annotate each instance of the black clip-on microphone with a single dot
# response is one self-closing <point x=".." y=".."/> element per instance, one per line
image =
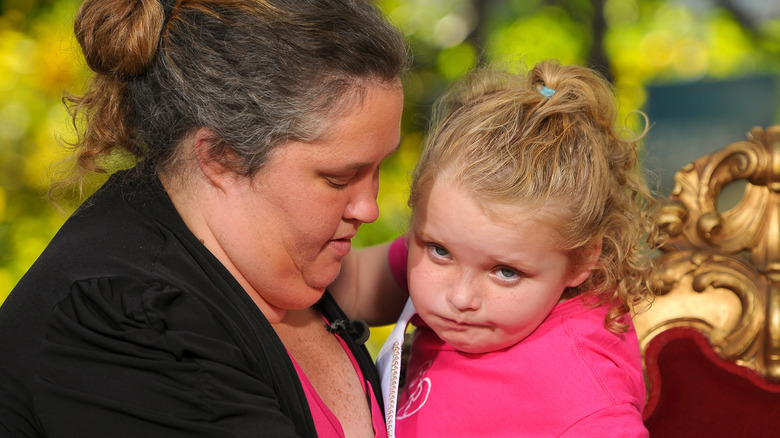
<point x="356" y="329"/>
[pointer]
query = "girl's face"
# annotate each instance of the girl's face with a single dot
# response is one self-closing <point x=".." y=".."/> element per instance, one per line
<point x="484" y="283"/>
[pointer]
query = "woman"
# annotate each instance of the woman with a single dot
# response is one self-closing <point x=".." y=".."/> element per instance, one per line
<point x="187" y="297"/>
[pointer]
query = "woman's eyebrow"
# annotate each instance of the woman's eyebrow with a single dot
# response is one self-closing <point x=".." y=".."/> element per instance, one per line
<point x="363" y="164"/>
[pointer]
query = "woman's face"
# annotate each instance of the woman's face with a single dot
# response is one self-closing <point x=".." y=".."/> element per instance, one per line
<point x="293" y="221"/>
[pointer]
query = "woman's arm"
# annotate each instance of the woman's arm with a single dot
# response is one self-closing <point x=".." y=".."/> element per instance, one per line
<point x="123" y="355"/>
<point x="366" y="287"/>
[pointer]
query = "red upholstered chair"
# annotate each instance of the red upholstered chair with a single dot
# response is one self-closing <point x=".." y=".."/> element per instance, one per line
<point x="711" y="339"/>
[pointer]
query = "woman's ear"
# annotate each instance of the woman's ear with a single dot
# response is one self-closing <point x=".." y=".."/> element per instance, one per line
<point x="585" y="265"/>
<point x="210" y="160"/>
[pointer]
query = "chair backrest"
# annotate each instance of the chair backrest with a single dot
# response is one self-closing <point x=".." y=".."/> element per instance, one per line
<point x="711" y="338"/>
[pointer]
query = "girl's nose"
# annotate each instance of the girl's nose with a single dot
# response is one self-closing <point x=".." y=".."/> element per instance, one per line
<point x="464" y="295"/>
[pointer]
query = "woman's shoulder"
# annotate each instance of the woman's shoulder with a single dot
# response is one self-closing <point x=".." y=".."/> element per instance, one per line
<point x="132" y="315"/>
<point x="139" y="348"/>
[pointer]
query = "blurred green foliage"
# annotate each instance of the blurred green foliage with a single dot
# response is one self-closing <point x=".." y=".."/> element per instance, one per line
<point x="39" y="61"/>
<point x="634" y="42"/>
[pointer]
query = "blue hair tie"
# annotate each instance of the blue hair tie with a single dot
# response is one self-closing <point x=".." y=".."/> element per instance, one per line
<point x="546" y="92"/>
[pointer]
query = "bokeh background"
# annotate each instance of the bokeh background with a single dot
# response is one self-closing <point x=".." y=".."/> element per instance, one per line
<point x="705" y="72"/>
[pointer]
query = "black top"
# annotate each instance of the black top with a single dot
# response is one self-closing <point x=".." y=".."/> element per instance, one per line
<point x="128" y="326"/>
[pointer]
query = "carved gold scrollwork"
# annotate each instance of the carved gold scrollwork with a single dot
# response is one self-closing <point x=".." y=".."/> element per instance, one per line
<point x="719" y="271"/>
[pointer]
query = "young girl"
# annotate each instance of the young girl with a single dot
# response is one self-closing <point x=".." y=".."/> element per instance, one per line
<point x="525" y="251"/>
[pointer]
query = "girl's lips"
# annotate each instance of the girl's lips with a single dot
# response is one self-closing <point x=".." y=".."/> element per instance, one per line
<point x="458" y="325"/>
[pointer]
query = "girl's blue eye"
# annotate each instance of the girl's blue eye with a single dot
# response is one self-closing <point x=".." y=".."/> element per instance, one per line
<point x="507" y="273"/>
<point x="439" y="251"/>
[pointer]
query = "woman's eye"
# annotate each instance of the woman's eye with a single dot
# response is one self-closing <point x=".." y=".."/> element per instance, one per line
<point x="336" y="183"/>
<point x="507" y="274"/>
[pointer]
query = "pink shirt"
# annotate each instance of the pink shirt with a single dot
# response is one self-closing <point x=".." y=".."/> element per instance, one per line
<point x="326" y="423"/>
<point x="571" y="377"/>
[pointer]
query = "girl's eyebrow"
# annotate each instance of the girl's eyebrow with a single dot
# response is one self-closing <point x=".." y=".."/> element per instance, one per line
<point x="515" y="264"/>
<point x="421" y="234"/>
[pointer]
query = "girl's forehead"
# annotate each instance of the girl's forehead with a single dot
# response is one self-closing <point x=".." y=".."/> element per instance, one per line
<point x="500" y="209"/>
<point x="505" y="204"/>
<point x="513" y="235"/>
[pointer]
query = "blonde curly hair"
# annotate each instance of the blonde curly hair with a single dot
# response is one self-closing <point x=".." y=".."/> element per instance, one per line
<point x="508" y="139"/>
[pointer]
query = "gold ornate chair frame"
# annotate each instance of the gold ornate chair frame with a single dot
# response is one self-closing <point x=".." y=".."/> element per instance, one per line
<point x="720" y="270"/>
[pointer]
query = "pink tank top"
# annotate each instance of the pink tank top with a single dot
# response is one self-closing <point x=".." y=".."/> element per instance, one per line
<point x="325" y="421"/>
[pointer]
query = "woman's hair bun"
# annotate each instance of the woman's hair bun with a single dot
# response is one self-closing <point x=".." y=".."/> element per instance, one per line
<point x="119" y="38"/>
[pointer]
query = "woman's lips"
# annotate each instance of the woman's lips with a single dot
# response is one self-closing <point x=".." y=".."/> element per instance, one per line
<point x="341" y="246"/>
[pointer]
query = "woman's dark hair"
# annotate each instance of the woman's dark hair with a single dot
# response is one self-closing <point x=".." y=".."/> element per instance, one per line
<point x="256" y="72"/>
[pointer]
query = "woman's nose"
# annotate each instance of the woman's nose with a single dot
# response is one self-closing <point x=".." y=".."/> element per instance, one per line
<point x="362" y="206"/>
